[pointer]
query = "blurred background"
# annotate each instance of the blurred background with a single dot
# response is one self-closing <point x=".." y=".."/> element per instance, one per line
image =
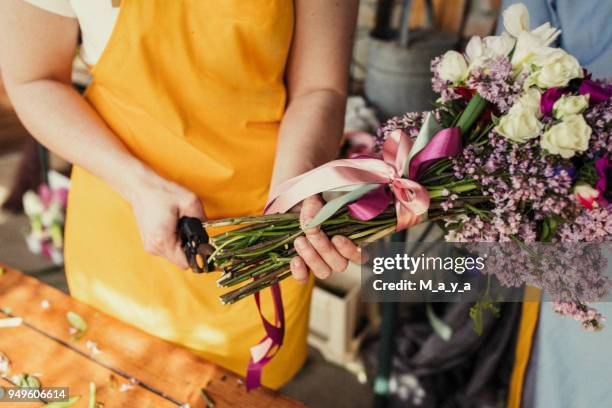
<point x="355" y="347"/>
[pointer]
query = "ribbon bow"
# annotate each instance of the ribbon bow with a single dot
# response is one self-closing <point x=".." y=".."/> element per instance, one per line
<point x="367" y="181"/>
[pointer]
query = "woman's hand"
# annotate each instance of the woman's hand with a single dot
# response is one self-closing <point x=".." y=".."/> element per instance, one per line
<point x="316" y="251"/>
<point x="158" y="204"/>
<point x="37" y="68"/>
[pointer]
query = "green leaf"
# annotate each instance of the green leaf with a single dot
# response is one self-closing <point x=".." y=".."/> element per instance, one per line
<point x="495" y="120"/>
<point x="77" y="323"/>
<point x="438" y="325"/>
<point x="588" y="174"/>
<point x="476" y="316"/>
<point x="477" y="312"/>
<point x="26" y="381"/>
<point x="334" y="205"/>
<point x="428" y="130"/>
<point x="63" y="404"/>
<point x="549" y="228"/>
<point x="471" y="113"/>
<point x="92" y="395"/>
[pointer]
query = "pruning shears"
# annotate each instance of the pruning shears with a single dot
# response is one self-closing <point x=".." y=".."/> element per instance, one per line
<point x="195" y="243"/>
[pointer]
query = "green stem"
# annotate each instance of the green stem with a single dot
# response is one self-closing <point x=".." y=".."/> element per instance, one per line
<point x="471" y="113"/>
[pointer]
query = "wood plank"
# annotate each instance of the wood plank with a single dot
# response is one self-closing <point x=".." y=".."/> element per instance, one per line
<point x="59" y="366"/>
<point x="447" y="14"/>
<point x="159" y="365"/>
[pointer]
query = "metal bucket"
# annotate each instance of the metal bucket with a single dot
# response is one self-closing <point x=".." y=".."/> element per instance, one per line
<point x="398" y="79"/>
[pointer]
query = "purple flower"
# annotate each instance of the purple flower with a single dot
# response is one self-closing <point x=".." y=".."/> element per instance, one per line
<point x="547" y="102"/>
<point x="596" y="91"/>
<point x="601" y="167"/>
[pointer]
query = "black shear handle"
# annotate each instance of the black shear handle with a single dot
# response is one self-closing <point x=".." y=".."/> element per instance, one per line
<point x="194" y="241"/>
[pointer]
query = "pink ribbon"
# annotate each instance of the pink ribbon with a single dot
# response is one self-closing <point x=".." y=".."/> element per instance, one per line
<point x="411" y="201"/>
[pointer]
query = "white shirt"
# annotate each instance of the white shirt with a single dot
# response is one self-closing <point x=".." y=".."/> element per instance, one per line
<point x="96" y="18"/>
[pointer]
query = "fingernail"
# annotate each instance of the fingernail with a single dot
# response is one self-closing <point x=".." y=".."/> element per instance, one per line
<point x="305" y="226"/>
<point x="299" y="243"/>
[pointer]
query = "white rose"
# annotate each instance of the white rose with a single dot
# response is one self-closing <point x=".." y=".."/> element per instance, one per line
<point x="32" y="204"/>
<point x="528" y="46"/>
<point x="570" y="105"/>
<point x="554" y="69"/>
<point x="567" y="137"/>
<point x="500" y="45"/>
<point x="479" y="50"/>
<point x="453" y="67"/>
<point x="529" y="101"/>
<point x="475" y="51"/>
<point x="546" y="33"/>
<point x="519" y="125"/>
<point x="516" y="19"/>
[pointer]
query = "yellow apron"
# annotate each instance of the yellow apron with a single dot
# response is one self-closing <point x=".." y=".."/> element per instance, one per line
<point x="195" y="90"/>
<point x="524" y="344"/>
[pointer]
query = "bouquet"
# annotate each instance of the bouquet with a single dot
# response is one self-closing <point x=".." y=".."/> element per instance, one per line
<point x="46" y="210"/>
<point x="516" y="149"/>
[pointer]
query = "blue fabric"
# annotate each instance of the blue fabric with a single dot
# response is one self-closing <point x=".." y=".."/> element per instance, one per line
<point x="586" y="27"/>
<point x="571" y="368"/>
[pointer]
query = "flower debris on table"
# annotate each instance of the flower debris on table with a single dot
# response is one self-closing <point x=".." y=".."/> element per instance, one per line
<point x="5" y="364"/>
<point x="78" y="326"/>
<point x="112" y="382"/>
<point x="92" y="346"/>
<point x="26" y="380"/>
<point x="10" y="322"/>
<point x="92" y="397"/>
<point x="125" y="387"/>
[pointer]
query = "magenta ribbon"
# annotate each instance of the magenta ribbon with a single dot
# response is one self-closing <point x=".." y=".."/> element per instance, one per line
<point x="261" y="353"/>
<point x="411" y="201"/>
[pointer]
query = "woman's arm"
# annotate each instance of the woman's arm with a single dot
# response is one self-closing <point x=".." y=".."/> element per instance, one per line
<point x="36" y="53"/>
<point x="311" y="130"/>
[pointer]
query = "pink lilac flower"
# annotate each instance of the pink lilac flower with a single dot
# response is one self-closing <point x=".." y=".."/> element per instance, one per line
<point x="590" y="226"/>
<point x="410" y="123"/>
<point x="599" y="118"/>
<point x="518" y="178"/>
<point x="441" y="86"/>
<point x="495" y="83"/>
<point x="589" y="317"/>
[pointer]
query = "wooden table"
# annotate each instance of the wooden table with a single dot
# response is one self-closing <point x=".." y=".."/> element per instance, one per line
<point x="161" y="374"/>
